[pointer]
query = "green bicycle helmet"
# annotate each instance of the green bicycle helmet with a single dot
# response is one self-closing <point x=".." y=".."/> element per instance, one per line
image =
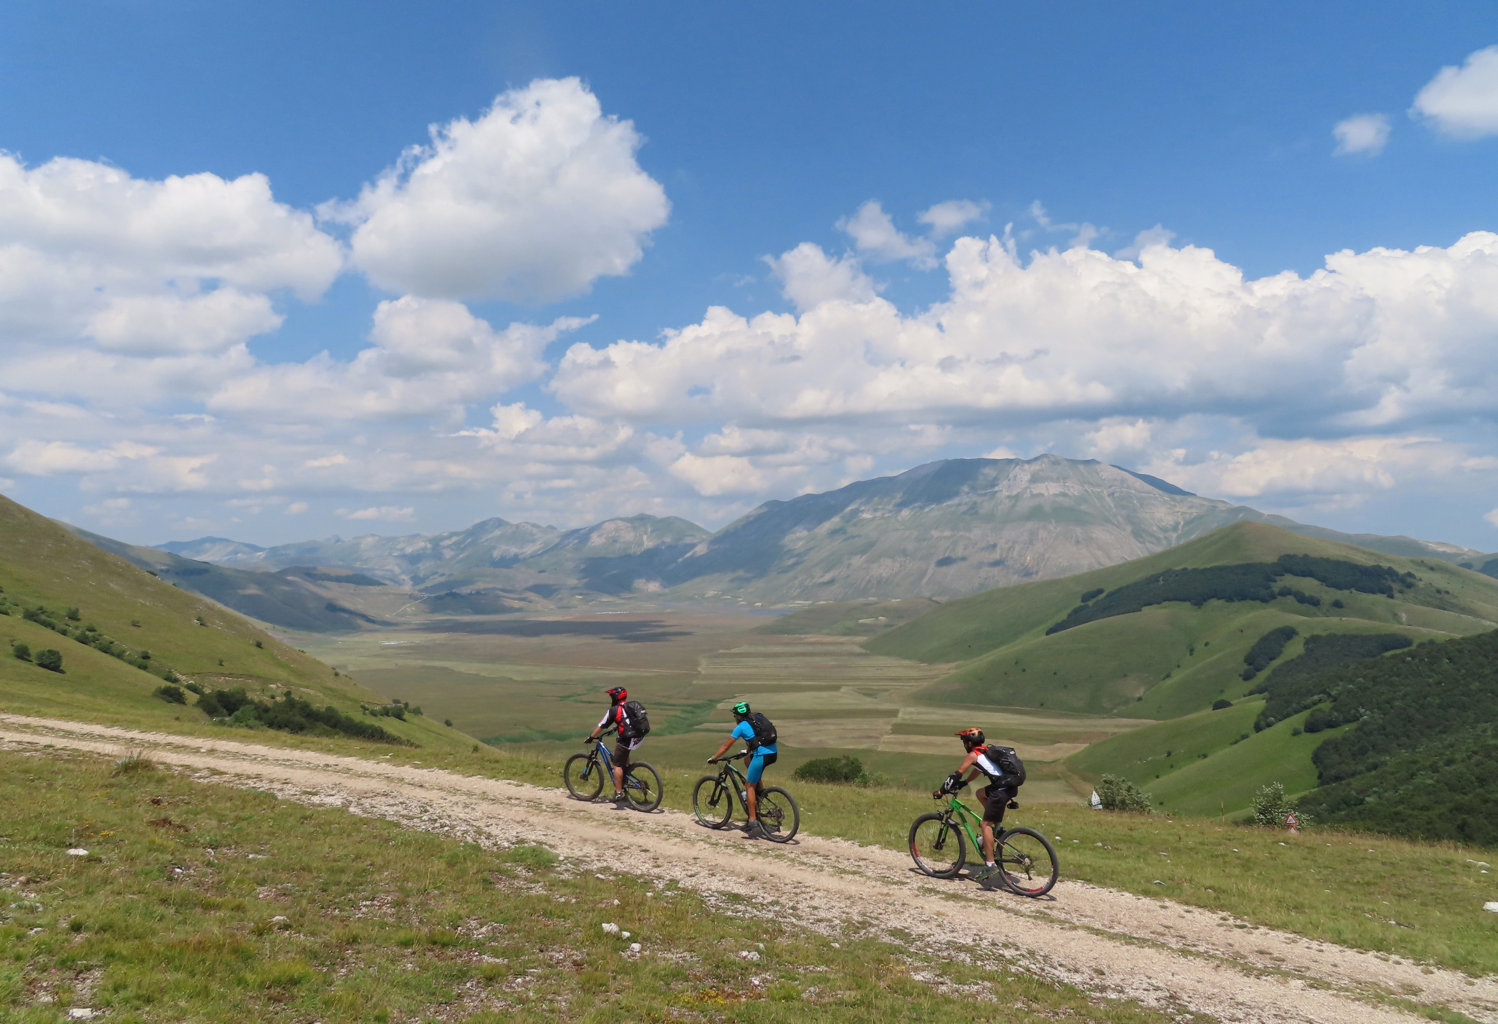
<point x="741" y="709"/>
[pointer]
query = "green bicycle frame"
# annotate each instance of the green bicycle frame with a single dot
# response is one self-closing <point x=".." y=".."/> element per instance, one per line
<point x="966" y="817"/>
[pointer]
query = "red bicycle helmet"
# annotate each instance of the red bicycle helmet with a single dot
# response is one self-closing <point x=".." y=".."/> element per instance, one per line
<point x="971" y="738"/>
<point x="618" y="694"/>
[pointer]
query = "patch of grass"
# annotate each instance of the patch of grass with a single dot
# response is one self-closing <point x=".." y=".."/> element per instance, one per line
<point x="132" y="763"/>
<point x="205" y="903"/>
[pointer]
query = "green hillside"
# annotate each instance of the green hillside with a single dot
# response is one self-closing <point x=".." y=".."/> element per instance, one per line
<point x="1419" y="749"/>
<point x="1209" y="763"/>
<point x="1403" y="743"/>
<point x="1223" y="643"/>
<point x="1167" y="635"/>
<point x="121" y="634"/>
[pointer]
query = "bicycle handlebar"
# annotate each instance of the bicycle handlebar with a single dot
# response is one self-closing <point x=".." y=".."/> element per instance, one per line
<point x="728" y="757"/>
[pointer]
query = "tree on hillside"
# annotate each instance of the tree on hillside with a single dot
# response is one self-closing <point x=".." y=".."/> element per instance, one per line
<point x="49" y="659"/>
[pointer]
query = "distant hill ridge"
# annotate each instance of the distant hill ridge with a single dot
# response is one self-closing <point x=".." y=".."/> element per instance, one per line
<point x="939" y="531"/>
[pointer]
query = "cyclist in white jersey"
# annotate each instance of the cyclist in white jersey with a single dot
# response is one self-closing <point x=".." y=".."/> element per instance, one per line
<point x="1002" y="788"/>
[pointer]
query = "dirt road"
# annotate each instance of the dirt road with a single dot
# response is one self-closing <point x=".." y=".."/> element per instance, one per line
<point x="1111" y="944"/>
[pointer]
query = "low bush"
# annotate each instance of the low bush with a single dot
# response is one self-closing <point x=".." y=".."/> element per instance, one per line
<point x="1119" y="794"/>
<point x="290" y="714"/>
<point x="1270" y="805"/>
<point x="833" y="769"/>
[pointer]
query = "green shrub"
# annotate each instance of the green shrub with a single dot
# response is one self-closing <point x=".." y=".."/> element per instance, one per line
<point x="170" y="694"/>
<point x="49" y="659"/>
<point x="290" y="714"/>
<point x="1270" y="805"/>
<point x="246" y="717"/>
<point x="20" y="650"/>
<point x="1119" y="794"/>
<point x="833" y="769"/>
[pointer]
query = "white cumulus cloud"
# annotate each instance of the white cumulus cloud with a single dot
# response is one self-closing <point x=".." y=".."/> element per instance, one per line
<point x="170" y="324"/>
<point x="952" y="216"/>
<point x="809" y="277"/>
<point x="533" y="201"/>
<point x="430" y="357"/>
<point x="875" y="237"/>
<point x="1463" y="101"/>
<point x="112" y="231"/>
<point x="1362" y="133"/>
<point x="1374" y="342"/>
<point x="717" y="475"/>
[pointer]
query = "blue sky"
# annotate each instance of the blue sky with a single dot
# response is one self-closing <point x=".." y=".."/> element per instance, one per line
<point x="280" y="271"/>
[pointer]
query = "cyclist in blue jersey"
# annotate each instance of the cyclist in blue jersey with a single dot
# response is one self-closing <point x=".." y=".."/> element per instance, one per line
<point x="762" y="755"/>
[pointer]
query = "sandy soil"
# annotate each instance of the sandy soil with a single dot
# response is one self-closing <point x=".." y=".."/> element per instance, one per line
<point x="1111" y="944"/>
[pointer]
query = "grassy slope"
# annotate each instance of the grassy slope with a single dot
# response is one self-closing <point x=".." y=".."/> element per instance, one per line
<point x="1171" y="662"/>
<point x="198" y="902"/>
<point x="387" y="923"/>
<point x="1171" y="659"/>
<point x="1209" y="763"/>
<point x="43" y="563"/>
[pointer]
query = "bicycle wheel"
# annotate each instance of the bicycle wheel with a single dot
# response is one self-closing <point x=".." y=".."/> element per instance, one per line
<point x="583" y="775"/>
<point x="937" y="846"/>
<point x="777" y="813"/>
<point x="1027" y="862"/>
<point x="712" y="802"/>
<point x="642" y="784"/>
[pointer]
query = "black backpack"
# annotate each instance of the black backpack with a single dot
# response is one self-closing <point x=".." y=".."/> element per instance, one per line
<point x="1007" y="759"/>
<point x="764" y="731"/>
<point x="636" y="722"/>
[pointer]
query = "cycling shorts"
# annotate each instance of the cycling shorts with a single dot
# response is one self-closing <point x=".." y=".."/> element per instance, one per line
<point x="995" y="802"/>
<point x="621" y="752"/>
<point x="757" y="765"/>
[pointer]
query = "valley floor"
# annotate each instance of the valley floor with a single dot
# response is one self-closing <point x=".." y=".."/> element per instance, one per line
<point x="1110" y="944"/>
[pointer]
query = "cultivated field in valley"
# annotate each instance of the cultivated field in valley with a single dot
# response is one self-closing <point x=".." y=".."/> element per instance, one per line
<point x="537" y="685"/>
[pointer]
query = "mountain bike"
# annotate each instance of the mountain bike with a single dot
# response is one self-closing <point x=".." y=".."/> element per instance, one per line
<point x="584" y="775"/>
<point x="713" y="798"/>
<point x="1026" y="860"/>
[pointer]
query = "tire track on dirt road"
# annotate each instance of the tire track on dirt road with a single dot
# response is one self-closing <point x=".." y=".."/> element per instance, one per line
<point x="1110" y="944"/>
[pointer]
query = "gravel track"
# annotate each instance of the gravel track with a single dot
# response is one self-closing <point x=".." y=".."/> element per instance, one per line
<point x="1111" y="944"/>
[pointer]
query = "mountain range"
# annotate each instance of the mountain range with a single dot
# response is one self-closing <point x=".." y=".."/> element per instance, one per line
<point x="940" y="531"/>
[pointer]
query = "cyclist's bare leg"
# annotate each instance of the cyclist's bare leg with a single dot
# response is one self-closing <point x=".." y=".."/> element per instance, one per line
<point x="618" y="779"/>
<point x="751" y="801"/>
<point x="987" y="827"/>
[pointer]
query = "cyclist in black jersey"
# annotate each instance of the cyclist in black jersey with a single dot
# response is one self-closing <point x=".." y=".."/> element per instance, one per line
<point x="615" y="718"/>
